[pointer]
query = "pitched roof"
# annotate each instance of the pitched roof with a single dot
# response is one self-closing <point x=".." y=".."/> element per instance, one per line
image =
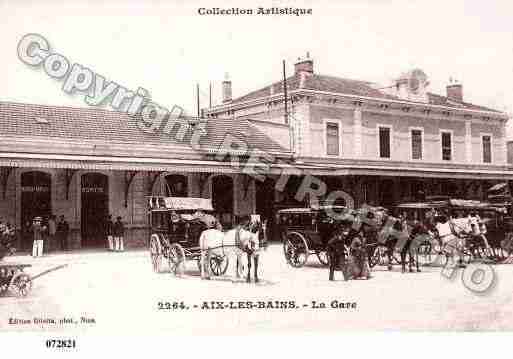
<point x="348" y="87"/>
<point x="71" y="123"/>
<point x="435" y="99"/>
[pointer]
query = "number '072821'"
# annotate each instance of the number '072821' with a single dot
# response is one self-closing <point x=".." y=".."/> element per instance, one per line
<point x="61" y="343"/>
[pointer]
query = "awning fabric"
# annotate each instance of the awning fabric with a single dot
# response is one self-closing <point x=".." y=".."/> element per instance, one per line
<point x="180" y="203"/>
<point x="82" y="162"/>
<point x="498" y="187"/>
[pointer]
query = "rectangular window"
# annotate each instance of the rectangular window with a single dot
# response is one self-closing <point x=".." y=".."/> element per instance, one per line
<point x="384" y="142"/>
<point x="332" y="139"/>
<point x="487" y="149"/>
<point x="446" y="146"/>
<point x="416" y="144"/>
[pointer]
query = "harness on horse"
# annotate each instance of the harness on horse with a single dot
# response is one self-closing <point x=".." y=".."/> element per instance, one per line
<point x="250" y="247"/>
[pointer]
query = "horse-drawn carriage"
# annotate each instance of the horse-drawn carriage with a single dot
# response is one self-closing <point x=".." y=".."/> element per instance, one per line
<point x="306" y="231"/>
<point x="452" y="218"/>
<point x="494" y="224"/>
<point x="176" y="225"/>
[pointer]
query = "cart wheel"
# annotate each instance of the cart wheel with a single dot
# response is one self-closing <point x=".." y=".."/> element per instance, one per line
<point x="375" y="256"/>
<point x="396" y="258"/>
<point x="21" y="284"/>
<point x="156" y="253"/>
<point x="176" y="258"/>
<point x="296" y="249"/>
<point x="219" y="264"/>
<point x="323" y="257"/>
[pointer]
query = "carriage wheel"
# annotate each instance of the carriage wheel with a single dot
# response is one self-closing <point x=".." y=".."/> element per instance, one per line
<point x="296" y="249"/>
<point x="218" y="264"/>
<point x="156" y="253"/>
<point x="176" y="259"/>
<point x="499" y="254"/>
<point x="374" y="256"/>
<point x="396" y="257"/>
<point x="21" y="284"/>
<point x="323" y="257"/>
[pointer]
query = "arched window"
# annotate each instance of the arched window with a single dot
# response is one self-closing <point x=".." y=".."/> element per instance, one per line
<point x="36" y="199"/>
<point x="95" y="209"/>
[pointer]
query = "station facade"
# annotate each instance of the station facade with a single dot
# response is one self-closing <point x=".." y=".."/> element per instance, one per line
<point x="383" y="144"/>
<point x="380" y="144"/>
<point x="88" y="163"/>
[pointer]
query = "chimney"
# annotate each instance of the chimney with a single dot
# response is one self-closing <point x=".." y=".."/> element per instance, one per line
<point x="454" y="91"/>
<point x="304" y="66"/>
<point x="227" y="89"/>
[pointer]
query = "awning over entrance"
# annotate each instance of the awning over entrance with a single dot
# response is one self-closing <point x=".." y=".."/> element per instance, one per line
<point x="80" y="162"/>
<point x="111" y="163"/>
<point x="211" y="166"/>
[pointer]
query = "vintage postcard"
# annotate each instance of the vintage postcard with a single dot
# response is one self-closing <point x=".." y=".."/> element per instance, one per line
<point x="245" y="167"/>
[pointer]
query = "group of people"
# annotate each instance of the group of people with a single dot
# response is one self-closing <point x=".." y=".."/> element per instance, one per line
<point x="354" y="232"/>
<point x="7" y="237"/>
<point x="466" y="227"/>
<point x="357" y="230"/>
<point x="48" y="233"/>
<point x="115" y="233"/>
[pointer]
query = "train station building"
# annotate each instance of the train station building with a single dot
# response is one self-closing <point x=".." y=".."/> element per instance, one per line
<point x="88" y="163"/>
<point x="383" y="144"/>
<point x="380" y="144"/>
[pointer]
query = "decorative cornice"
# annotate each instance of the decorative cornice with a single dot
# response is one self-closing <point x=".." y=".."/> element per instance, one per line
<point x="355" y="100"/>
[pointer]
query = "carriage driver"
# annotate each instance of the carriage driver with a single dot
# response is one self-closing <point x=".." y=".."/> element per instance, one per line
<point x="210" y="235"/>
<point x="335" y="248"/>
<point x="206" y="218"/>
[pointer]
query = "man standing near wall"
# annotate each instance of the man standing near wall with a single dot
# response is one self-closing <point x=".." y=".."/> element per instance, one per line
<point x="119" y="233"/>
<point x="109" y="232"/>
<point x="37" y="230"/>
<point x="62" y="233"/>
<point x="52" y="230"/>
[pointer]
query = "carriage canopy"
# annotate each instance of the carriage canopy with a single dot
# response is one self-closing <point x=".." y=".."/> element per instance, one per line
<point x="158" y="203"/>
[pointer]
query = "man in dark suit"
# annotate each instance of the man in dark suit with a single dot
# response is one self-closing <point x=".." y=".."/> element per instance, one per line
<point x="62" y="233"/>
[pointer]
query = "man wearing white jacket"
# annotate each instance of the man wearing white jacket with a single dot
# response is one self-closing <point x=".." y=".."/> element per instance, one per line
<point x="37" y="229"/>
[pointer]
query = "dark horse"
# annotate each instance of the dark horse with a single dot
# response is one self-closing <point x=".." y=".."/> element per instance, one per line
<point x="396" y="234"/>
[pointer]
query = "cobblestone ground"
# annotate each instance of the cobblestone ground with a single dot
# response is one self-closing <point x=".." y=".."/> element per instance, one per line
<point x="122" y="293"/>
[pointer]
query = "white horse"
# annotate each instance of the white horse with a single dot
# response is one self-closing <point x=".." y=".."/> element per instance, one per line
<point x="234" y="242"/>
<point x="253" y="248"/>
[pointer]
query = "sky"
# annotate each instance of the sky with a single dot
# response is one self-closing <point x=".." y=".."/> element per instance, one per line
<point x="166" y="47"/>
